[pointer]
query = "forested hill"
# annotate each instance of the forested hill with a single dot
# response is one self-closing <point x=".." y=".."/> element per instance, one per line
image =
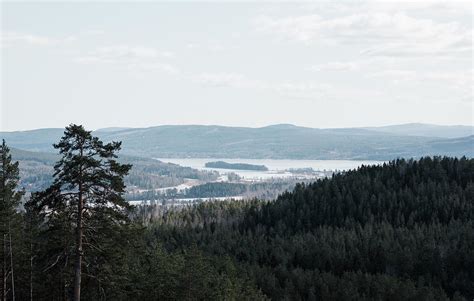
<point x="36" y="170"/>
<point x="401" y="193"/>
<point x="401" y="231"/>
<point x="276" y="141"/>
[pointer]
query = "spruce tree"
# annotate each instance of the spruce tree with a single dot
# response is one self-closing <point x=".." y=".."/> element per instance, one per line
<point x="10" y="198"/>
<point x="85" y="200"/>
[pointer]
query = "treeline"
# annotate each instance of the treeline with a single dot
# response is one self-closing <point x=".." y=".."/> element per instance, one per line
<point x="240" y="166"/>
<point x="263" y="190"/>
<point x="400" y="231"/>
<point x="266" y="190"/>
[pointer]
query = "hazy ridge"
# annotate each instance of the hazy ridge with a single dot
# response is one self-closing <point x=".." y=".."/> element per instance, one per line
<point x="281" y="141"/>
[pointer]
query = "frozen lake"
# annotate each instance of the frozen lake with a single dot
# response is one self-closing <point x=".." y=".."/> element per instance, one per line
<point x="277" y="168"/>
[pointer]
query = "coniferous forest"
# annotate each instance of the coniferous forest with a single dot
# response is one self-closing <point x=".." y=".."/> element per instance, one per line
<point x="403" y="230"/>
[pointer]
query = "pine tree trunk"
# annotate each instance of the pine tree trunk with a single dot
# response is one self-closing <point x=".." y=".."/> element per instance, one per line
<point x="78" y="265"/>
<point x="31" y="260"/>
<point x="31" y="272"/>
<point x="4" y="293"/>
<point x="4" y="267"/>
<point x="11" y="262"/>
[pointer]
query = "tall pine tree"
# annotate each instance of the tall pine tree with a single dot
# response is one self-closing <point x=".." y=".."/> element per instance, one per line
<point x="10" y="198"/>
<point x="84" y="206"/>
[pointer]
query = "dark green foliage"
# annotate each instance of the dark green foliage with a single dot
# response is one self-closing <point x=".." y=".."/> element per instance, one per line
<point x="85" y="214"/>
<point x="399" y="231"/>
<point x="9" y="178"/>
<point x="10" y="225"/>
<point x="188" y="274"/>
<point x="217" y="189"/>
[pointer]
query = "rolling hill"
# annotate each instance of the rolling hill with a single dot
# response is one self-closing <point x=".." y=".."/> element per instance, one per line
<point x="281" y="141"/>
<point x="426" y="130"/>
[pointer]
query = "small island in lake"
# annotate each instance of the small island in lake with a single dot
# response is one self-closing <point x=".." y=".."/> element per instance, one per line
<point x="239" y="166"/>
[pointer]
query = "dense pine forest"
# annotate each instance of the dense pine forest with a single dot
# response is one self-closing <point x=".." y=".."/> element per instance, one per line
<point x="399" y="231"/>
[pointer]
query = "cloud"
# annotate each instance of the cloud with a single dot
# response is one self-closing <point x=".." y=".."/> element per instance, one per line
<point x="457" y="85"/>
<point x="211" y="46"/>
<point x="335" y="66"/>
<point x="304" y="90"/>
<point x="381" y="33"/>
<point x="138" y="58"/>
<point x="436" y="6"/>
<point x="289" y="89"/>
<point x="9" y="38"/>
<point x="460" y="79"/>
<point x="92" y="32"/>
<point x="112" y="54"/>
<point x="235" y="80"/>
<point x="157" y="66"/>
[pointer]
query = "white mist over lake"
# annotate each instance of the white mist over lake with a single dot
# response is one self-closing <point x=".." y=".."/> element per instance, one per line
<point x="276" y="168"/>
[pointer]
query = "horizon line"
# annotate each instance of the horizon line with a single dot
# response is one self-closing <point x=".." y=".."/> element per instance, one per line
<point x="240" y="126"/>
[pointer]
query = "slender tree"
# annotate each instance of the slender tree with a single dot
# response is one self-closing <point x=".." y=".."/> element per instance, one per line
<point x="32" y="222"/>
<point x="10" y="198"/>
<point x="86" y="194"/>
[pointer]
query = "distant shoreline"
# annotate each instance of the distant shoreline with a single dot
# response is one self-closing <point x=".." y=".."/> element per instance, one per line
<point x="236" y="166"/>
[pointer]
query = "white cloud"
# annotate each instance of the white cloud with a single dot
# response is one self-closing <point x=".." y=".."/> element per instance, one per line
<point x="157" y="66"/>
<point x="335" y="66"/>
<point x="122" y="52"/>
<point x="305" y="90"/>
<point x="235" y="80"/>
<point x="456" y="7"/>
<point x="290" y="89"/>
<point x="381" y="33"/>
<point x="211" y="46"/>
<point x="138" y="58"/>
<point x="458" y="80"/>
<point x="9" y="38"/>
<point x="450" y="86"/>
<point x="93" y="32"/>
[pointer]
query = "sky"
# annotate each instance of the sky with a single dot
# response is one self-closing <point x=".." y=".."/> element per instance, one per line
<point x="316" y="64"/>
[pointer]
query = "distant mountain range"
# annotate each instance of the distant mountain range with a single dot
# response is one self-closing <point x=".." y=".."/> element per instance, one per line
<point x="426" y="130"/>
<point x="282" y="141"/>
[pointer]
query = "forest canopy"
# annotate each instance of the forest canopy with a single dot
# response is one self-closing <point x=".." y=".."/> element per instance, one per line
<point x="403" y="230"/>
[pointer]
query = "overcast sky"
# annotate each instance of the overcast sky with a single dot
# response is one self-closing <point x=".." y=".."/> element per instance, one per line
<point x="317" y="64"/>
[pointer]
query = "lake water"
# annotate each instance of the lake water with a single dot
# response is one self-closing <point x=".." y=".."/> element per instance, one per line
<point x="277" y="168"/>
